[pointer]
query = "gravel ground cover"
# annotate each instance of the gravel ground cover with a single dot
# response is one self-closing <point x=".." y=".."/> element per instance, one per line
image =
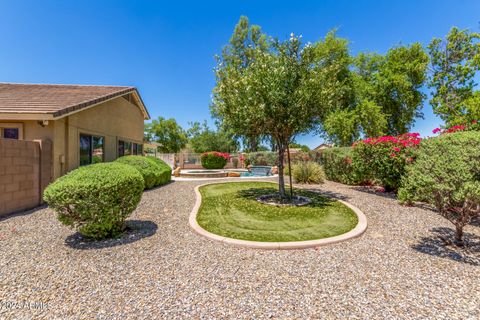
<point x="163" y="270"/>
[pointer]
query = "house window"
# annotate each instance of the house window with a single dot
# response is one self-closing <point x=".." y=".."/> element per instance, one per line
<point x="126" y="148"/>
<point x="11" y="130"/>
<point x="140" y="149"/>
<point x="121" y="148"/>
<point x="10" y="133"/>
<point x="92" y="149"/>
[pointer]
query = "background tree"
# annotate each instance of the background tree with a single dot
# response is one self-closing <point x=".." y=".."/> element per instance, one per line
<point x="168" y="133"/>
<point x="203" y="139"/>
<point x="376" y="94"/>
<point x="394" y="83"/>
<point x="302" y="147"/>
<point x="281" y="94"/>
<point x="245" y="43"/>
<point x="455" y="61"/>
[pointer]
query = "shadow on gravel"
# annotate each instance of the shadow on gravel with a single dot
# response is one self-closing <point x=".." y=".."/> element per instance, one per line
<point x="475" y="221"/>
<point x="329" y="194"/>
<point x="22" y="213"/>
<point x="436" y="246"/>
<point x="136" y="230"/>
<point x="159" y="187"/>
<point x="370" y="190"/>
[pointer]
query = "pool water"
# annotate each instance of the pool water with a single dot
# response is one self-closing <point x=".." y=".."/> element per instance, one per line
<point x="257" y="171"/>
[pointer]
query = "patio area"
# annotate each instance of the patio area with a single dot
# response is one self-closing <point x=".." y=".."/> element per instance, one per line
<point x="162" y="269"/>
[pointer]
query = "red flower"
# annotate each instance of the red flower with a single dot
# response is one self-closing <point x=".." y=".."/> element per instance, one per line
<point x="436" y="130"/>
<point x="396" y="149"/>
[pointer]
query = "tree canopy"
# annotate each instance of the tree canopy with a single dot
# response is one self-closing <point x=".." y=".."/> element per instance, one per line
<point x="168" y="133"/>
<point x="280" y="93"/>
<point x="381" y="93"/>
<point x="203" y="139"/>
<point x="455" y="62"/>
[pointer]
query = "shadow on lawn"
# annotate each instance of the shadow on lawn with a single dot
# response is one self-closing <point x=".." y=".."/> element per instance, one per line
<point x="136" y="230"/>
<point x="436" y="246"/>
<point x="319" y="198"/>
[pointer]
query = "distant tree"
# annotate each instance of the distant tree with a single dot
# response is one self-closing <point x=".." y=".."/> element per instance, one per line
<point x="345" y="126"/>
<point x="302" y="147"/>
<point x="203" y="139"/>
<point x="374" y="94"/>
<point x="280" y="94"/>
<point x="262" y="147"/>
<point x="455" y="62"/>
<point x="392" y="85"/>
<point x="168" y="133"/>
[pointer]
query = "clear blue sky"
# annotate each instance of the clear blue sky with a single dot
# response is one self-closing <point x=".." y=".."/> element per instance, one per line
<point x="166" y="48"/>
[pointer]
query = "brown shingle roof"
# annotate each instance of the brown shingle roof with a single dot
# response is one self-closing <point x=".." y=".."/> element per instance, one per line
<point x="56" y="99"/>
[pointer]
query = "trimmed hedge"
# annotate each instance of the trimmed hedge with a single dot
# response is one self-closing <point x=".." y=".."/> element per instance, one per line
<point x="96" y="199"/>
<point x="147" y="169"/>
<point x="446" y="174"/>
<point x="164" y="173"/>
<point x="214" y="160"/>
<point x="154" y="171"/>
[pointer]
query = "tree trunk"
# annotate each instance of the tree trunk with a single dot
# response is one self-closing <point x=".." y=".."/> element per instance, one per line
<point x="281" y="180"/>
<point x="290" y="172"/>
<point x="459" y="235"/>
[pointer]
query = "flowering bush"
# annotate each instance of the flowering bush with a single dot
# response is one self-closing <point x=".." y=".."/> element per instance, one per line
<point x="337" y="164"/>
<point x="446" y="174"/>
<point x="214" y="159"/>
<point x="383" y="160"/>
<point x="472" y="126"/>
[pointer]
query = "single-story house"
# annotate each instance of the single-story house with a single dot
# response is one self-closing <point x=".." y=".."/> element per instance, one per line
<point x="86" y="124"/>
<point x="323" y="146"/>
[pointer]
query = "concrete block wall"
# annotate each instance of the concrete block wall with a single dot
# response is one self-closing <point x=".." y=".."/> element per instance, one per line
<point x="25" y="171"/>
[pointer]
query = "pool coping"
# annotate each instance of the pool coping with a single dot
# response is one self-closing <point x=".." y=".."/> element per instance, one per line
<point x="355" y="232"/>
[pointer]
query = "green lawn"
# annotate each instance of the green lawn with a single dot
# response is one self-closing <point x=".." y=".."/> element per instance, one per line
<point x="230" y="210"/>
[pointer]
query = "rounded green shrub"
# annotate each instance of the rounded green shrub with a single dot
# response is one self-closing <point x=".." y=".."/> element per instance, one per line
<point x="308" y="172"/>
<point x="214" y="160"/>
<point x="96" y="199"/>
<point x="337" y="165"/>
<point x="147" y="169"/>
<point x="446" y="174"/>
<point x="164" y="172"/>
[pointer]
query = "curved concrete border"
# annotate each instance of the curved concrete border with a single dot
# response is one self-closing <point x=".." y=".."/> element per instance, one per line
<point x="355" y="232"/>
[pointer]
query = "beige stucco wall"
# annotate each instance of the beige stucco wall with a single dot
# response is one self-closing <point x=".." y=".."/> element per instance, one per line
<point x="117" y="119"/>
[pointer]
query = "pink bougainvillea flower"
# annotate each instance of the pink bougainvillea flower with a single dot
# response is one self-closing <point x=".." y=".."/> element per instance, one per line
<point x="436" y="130"/>
<point x="396" y="149"/>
